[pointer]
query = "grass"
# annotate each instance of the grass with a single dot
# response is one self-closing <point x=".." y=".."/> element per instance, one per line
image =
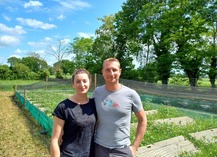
<point x="48" y="99"/>
<point x="158" y="132"/>
<point x="17" y="82"/>
<point x="20" y="134"/>
<point x="9" y="85"/>
<point x="155" y="132"/>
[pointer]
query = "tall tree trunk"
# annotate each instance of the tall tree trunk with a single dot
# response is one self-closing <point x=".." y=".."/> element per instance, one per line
<point x="213" y="65"/>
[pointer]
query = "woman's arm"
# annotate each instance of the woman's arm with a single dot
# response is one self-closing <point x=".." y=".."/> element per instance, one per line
<point x="56" y="136"/>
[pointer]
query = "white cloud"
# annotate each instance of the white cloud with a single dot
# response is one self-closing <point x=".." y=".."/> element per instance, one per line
<point x="6" y="40"/>
<point x="48" y="39"/>
<point x="7" y="18"/>
<point x="61" y="17"/>
<point x="19" y="51"/>
<point x="43" y="43"/>
<point x="36" y="44"/>
<point x="17" y="56"/>
<point x="65" y="41"/>
<point x="74" y="4"/>
<point x="36" y="24"/>
<point x="32" y="4"/>
<point x="85" y="35"/>
<point x="41" y="52"/>
<point x="48" y="42"/>
<point x="17" y="30"/>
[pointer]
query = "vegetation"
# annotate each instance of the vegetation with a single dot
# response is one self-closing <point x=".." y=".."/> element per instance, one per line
<point x="173" y="42"/>
<point x="9" y="85"/>
<point x="155" y="132"/>
<point x="167" y="40"/>
<point x="20" y="133"/>
<point x="158" y="132"/>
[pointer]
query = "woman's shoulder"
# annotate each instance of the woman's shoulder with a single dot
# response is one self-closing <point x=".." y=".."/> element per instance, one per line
<point x="65" y="103"/>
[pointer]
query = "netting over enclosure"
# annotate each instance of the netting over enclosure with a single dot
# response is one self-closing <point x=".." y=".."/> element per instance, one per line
<point x="196" y="98"/>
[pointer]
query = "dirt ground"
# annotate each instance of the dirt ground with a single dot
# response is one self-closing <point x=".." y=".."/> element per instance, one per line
<point x="19" y="133"/>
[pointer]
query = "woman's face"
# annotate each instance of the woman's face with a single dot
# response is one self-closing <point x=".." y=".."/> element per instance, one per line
<point x="81" y="83"/>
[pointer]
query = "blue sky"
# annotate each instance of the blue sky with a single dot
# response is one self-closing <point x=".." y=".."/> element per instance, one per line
<point x="28" y="25"/>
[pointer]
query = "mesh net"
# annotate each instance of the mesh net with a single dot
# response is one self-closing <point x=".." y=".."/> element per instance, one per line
<point x="191" y="98"/>
<point x="45" y="121"/>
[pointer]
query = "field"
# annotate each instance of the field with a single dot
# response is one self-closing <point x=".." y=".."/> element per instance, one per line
<point x="20" y="134"/>
<point x="48" y="99"/>
<point x="9" y="85"/>
<point x="155" y="132"/>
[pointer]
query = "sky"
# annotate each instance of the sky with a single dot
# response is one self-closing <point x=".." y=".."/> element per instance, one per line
<point x="31" y="25"/>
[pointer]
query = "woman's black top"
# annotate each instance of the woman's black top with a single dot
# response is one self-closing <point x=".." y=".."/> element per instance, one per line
<point x="78" y="129"/>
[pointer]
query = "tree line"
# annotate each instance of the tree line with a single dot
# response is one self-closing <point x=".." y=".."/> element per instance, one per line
<point x="167" y="38"/>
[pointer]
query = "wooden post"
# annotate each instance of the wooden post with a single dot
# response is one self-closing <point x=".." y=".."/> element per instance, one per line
<point x="15" y="87"/>
<point x="46" y="82"/>
<point x="25" y="96"/>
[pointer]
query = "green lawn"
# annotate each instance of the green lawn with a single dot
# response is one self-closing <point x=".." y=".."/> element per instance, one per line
<point x="9" y="85"/>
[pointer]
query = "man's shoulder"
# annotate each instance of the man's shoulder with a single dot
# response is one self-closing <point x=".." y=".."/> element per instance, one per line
<point x="129" y="90"/>
<point x="99" y="88"/>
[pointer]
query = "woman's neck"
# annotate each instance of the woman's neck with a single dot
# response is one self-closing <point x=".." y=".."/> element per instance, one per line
<point x="80" y="98"/>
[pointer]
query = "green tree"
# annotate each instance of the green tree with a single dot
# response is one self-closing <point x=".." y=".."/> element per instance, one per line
<point x="129" y="41"/>
<point x="188" y="35"/>
<point x="43" y="75"/>
<point x="149" y="73"/>
<point x="21" y="71"/>
<point x="13" y="60"/>
<point x="5" y="72"/>
<point x="104" y="43"/>
<point x="211" y="18"/>
<point x="34" y="64"/>
<point x="84" y="57"/>
<point x="68" y="66"/>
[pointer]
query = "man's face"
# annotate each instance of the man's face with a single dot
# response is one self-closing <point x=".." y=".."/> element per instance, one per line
<point x="111" y="72"/>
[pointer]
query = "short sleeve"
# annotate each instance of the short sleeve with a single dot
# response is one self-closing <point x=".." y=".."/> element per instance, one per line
<point x="137" y="103"/>
<point x="59" y="111"/>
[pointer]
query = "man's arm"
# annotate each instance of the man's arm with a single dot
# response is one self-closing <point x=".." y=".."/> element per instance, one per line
<point x="140" y="132"/>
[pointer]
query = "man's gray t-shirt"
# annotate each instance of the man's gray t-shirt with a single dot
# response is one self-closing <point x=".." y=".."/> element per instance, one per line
<point x="114" y="110"/>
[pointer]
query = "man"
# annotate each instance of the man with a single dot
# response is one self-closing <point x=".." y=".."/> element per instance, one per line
<point x="115" y="104"/>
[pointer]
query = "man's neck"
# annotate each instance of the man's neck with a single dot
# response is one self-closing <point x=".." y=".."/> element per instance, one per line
<point x="113" y="87"/>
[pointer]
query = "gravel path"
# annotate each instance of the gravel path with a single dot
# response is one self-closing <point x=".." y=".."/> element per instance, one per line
<point x="19" y="133"/>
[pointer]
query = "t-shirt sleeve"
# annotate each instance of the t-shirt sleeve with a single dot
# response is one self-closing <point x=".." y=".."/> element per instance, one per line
<point x="137" y="103"/>
<point x="59" y="111"/>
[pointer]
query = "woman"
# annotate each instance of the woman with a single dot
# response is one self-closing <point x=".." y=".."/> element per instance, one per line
<point x="74" y="120"/>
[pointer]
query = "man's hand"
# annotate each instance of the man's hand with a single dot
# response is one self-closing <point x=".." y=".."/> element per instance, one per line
<point x="133" y="150"/>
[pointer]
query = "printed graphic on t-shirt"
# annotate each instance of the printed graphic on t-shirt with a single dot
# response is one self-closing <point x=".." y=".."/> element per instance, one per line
<point x="110" y="103"/>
